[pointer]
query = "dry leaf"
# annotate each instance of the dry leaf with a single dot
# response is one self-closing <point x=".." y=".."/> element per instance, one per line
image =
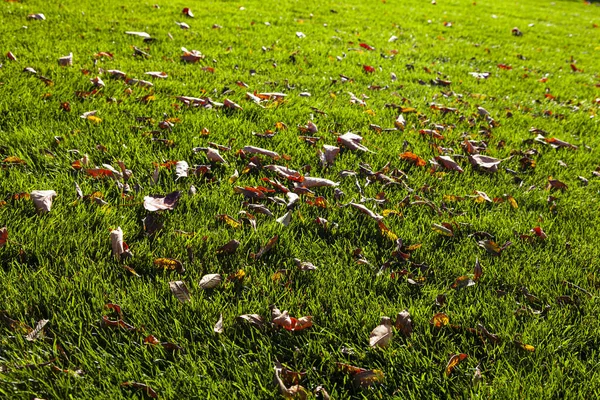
<point x="66" y="60"/>
<point x="253" y="319"/>
<point x="293" y="392"/>
<point x="42" y="199"/>
<point x="352" y="142"/>
<point x="439" y="320"/>
<point x="180" y="290"/>
<point x="229" y="247"/>
<point x="448" y="163"/>
<point x="485" y="163"/>
<point x="285" y="219"/>
<point x="404" y="323"/>
<point x="453" y="362"/>
<point x="266" y="248"/>
<point x="170" y="264"/>
<point x="116" y="240"/>
<point x="478" y="271"/>
<point x="304" y="265"/>
<point x="382" y="334"/>
<point x="218" y="328"/>
<point x="413" y="158"/>
<point x="210" y="281"/>
<point x="258" y="150"/>
<point x="181" y="169"/>
<point x="462" y="282"/>
<point x="157" y="203"/>
<point x="35" y="333"/>
<point x="141" y="386"/>
<point x="3" y="236"/>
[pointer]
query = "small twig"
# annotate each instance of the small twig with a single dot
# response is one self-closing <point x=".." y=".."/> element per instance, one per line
<point x="577" y="287"/>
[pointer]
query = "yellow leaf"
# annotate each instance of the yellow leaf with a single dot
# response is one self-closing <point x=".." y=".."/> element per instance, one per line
<point x="370" y="112"/>
<point x="512" y="202"/>
<point x="94" y="119"/>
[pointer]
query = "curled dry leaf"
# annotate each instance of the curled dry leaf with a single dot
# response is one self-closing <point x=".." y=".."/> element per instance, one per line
<point x="39" y="17"/>
<point x="158" y="203"/>
<point x="492" y="247"/>
<point x="366" y="211"/>
<point x="404" y="323"/>
<point x="304" y="265"/>
<point x="382" y="334"/>
<point x="484" y="163"/>
<point x="311" y="182"/>
<point x="453" y="362"/>
<point x="181" y="169"/>
<point x="294" y="391"/>
<point x="42" y="199"/>
<point x="37" y="331"/>
<point x="265" y="248"/>
<point x="448" y="163"/>
<point x="285" y="219"/>
<point x="66" y="60"/>
<point x="180" y="290"/>
<point x="351" y="141"/>
<point x="210" y="281"/>
<point x="478" y="270"/>
<point x="327" y="156"/>
<point x="116" y="241"/>
<point x="156" y="74"/>
<point x="252" y="319"/>
<point x="258" y="150"/>
<point x="218" y="328"/>
<point x="3" y="236"/>
<point x="191" y="56"/>
<point x="170" y="264"/>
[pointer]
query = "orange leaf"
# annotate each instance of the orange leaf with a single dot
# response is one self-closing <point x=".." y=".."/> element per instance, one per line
<point x="439" y="320"/>
<point x="412" y="157"/>
<point x="454" y="361"/>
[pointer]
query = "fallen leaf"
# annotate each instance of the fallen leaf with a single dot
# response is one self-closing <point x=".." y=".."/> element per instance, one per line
<point x="258" y="150"/>
<point x="404" y="323"/>
<point x="158" y="203"/>
<point x="352" y="142"/>
<point x="218" y="328"/>
<point x="485" y="163"/>
<point x="413" y="158"/>
<point x="304" y="265"/>
<point x="229" y="247"/>
<point x="3" y="236"/>
<point x="42" y="199"/>
<point x="37" y="331"/>
<point x="439" y="320"/>
<point x="253" y="319"/>
<point x="294" y="391"/>
<point x="454" y="361"/>
<point x="141" y="386"/>
<point x="180" y="290"/>
<point x="66" y="60"/>
<point x="462" y="282"/>
<point x="448" y="163"/>
<point x="265" y="248"/>
<point x="170" y="264"/>
<point x="478" y="270"/>
<point x="210" y="281"/>
<point x="382" y="334"/>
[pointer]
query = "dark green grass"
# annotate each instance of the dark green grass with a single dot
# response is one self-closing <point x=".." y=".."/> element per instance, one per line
<point x="65" y="272"/>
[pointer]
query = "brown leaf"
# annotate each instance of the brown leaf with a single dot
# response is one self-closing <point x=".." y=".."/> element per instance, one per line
<point x="462" y="282"/>
<point x="304" y="265"/>
<point x="493" y="338"/>
<point x="382" y="334"/>
<point x="253" y="319"/>
<point x="229" y="247"/>
<point x="42" y="199"/>
<point x="539" y="232"/>
<point x="293" y="392"/>
<point x="366" y="211"/>
<point x="3" y="236"/>
<point x="141" y="386"/>
<point x="556" y="184"/>
<point x="444" y="229"/>
<point x="170" y="264"/>
<point x="492" y="247"/>
<point x="14" y="160"/>
<point x="180" y="290"/>
<point x="454" y="361"/>
<point x="439" y="320"/>
<point x="352" y="142"/>
<point x="158" y="203"/>
<point x="478" y="270"/>
<point x="448" y="163"/>
<point x="556" y="143"/>
<point x="35" y="333"/>
<point x="116" y="323"/>
<point x="404" y="323"/>
<point x="265" y="248"/>
<point x="367" y="378"/>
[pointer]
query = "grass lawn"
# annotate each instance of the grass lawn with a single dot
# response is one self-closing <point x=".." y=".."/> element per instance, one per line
<point x="471" y="201"/>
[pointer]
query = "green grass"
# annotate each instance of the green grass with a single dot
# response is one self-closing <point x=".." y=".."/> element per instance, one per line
<point x="59" y="266"/>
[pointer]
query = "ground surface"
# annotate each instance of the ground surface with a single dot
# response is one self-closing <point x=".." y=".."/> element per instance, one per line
<point x="537" y="297"/>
